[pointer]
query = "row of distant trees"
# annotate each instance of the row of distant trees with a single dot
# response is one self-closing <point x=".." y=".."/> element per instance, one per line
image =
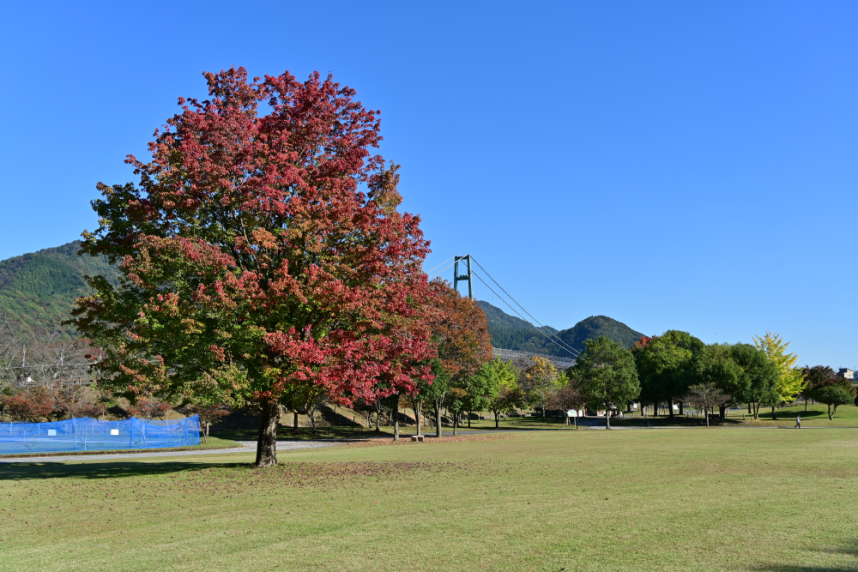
<point x="678" y="368"/>
<point x="673" y="369"/>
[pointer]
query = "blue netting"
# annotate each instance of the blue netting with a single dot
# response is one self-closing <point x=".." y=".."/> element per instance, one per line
<point x="93" y="435"/>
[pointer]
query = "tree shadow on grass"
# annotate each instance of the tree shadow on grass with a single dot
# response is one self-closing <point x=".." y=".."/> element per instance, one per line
<point x="849" y="550"/>
<point x="106" y="470"/>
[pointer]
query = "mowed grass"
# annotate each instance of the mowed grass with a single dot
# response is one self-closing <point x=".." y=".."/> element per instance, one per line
<point x="672" y="499"/>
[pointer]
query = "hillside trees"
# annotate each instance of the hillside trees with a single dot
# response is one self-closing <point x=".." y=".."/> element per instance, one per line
<point x="260" y="252"/>
<point x="606" y="375"/>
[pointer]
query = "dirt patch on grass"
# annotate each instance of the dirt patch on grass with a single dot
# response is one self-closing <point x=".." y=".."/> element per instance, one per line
<point x="431" y="440"/>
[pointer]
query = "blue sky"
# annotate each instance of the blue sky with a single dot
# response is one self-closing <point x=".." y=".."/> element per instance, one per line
<point x="673" y="165"/>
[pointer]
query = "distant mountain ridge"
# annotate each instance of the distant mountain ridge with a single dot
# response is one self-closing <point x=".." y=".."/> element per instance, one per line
<point x="513" y="333"/>
<point x="37" y="290"/>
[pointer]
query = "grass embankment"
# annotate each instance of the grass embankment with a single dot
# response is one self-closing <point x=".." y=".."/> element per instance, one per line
<point x="716" y="499"/>
<point x="213" y="443"/>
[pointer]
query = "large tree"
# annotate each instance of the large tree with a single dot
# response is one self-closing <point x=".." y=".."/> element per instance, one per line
<point x="814" y="378"/>
<point x="539" y="382"/>
<point x="790" y="378"/>
<point x="461" y="331"/>
<point x="505" y="393"/>
<point x="606" y="375"/>
<point x="760" y="377"/>
<point x="833" y="391"/>
<point x="261" y="252"/>
<point x="717" y="366"/>
<point x="667" y="365"/>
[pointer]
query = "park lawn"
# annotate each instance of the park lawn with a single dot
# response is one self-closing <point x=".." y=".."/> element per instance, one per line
<point x="713" y="499"/>
<point x="815" y="416"/>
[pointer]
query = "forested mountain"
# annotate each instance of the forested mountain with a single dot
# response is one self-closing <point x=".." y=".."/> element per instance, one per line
<point x="37" y="290"/>
<point x="516" y="334"/>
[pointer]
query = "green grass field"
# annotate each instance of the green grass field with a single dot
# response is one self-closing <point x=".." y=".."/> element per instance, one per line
<point x="707" y="499"/>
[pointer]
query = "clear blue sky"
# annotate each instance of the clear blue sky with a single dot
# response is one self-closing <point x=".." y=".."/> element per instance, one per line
<point x="673" y="165"/>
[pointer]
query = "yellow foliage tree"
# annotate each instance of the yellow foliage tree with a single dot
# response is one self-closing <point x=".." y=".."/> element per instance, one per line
<point x="539" y="382"/>
<point x="790" y="379"/>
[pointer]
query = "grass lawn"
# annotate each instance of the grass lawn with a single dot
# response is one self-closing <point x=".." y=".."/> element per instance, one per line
<point x="708" y="499"/>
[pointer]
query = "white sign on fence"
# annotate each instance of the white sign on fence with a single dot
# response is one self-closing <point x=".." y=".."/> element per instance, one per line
<point x="52" y="432"/>
<point x="114" y="431"/>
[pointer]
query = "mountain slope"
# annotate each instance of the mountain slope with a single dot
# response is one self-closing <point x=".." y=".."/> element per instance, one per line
<point x="37" y="290"/>
<point x="516" y="334"/>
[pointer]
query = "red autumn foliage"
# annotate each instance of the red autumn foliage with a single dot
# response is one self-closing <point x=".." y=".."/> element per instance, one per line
<point x="149" y="408"/>
<point x="461" y="331"/>
<point x="32" y="405"/>
<point x="262" y="254"/>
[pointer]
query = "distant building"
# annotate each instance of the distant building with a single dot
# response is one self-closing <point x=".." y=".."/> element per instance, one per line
<point x="846" y="373"/>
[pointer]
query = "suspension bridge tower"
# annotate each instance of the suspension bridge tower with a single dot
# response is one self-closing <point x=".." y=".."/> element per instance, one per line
<point x="466" y="261"/>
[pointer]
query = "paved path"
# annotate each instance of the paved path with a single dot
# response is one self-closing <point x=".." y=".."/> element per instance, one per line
<point x="246" y="447"/>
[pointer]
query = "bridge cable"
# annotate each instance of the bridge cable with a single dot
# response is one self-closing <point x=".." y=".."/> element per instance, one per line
<point x="555" y="342"/>
<point x="440" y="265"/>
<point x="520" y="306"/>
<point x="429" y="277"/>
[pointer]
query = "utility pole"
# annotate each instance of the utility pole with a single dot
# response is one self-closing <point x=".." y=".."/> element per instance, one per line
<point x="463" y="277"/>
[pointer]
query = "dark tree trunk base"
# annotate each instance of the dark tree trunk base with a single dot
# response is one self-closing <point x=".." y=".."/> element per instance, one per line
<point x="266" y="445"/>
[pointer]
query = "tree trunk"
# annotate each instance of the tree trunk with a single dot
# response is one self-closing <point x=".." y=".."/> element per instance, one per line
<point x="607" y="419"/>
<point x="294" y="419"/>
<point x="670" y="408"/>
<point x="206" y="434"/>
<point x="497" y="419"/>
<point x="830" y="416"/>
<point x="774" y="415"/>
<point x="396" y="419"/>
<point x="722" y="412"/>
<point x="749" y="408"/>
<point x="543" y="412"/>
<point x="417" y="415"/>
<point x="455" y="422"/>
<point x="805" y="405"/>
<point x="437" y="420"/>
<point x="266" y="445"/>
<point x="681" y="408"/>
<point x="706" y="413"/>
<point x="469" y="419"/>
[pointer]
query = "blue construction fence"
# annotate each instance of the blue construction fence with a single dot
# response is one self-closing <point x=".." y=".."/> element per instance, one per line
<point x="86" y="434"/>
